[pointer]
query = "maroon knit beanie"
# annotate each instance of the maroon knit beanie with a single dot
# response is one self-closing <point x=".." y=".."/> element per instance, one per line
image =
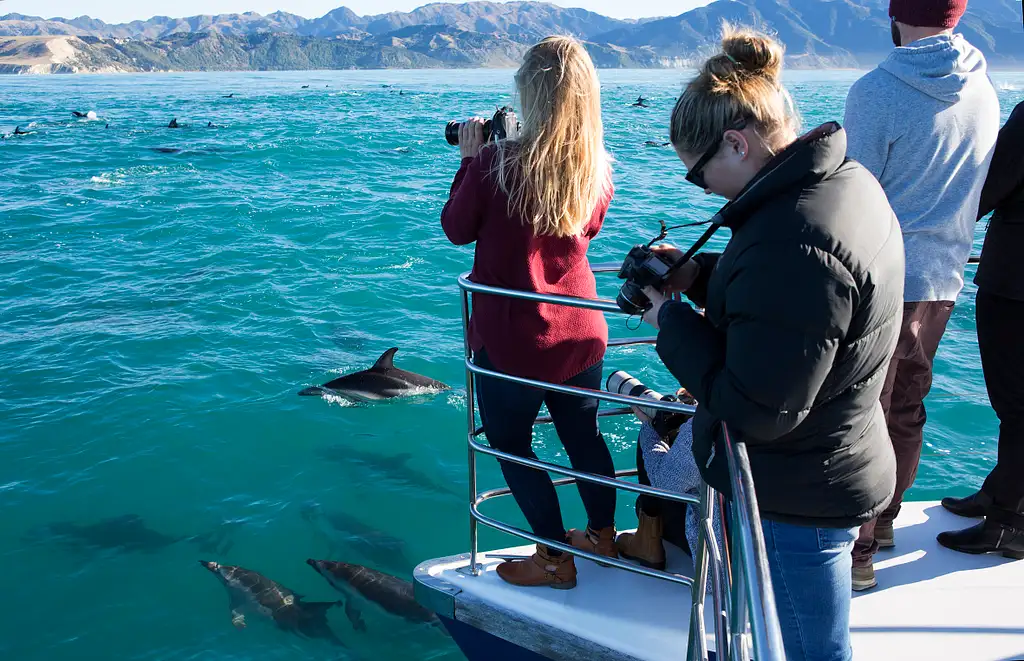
<point x="928" y="13"/>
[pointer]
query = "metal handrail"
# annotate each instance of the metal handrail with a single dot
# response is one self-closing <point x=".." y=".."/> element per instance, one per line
<point x="750" y="605"/>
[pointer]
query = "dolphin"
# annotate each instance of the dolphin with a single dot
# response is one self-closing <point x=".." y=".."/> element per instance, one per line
<point x="18" y="131"/>
<point x="305" y="87"/>
<point x="91" y="114"/>
<point x="382" y="381"/>
<point x="127" y="533"/>
<point x="228" y="96"/>
<point x="641" y="102"/>
<point x="253" y="592"/>
<point x="652" y="143"/>
<point x="392" y="594"/>
<point x="365" y="539"/>
<point x="394" y="467"/>
<point x="175" y="125"/>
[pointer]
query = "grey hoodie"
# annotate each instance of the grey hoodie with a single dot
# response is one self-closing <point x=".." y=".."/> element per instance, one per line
<point x="925" y="124"/>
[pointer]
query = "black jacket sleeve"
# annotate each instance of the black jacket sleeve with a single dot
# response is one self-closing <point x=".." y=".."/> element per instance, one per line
<point x="1006" y="174"/>
<point x="786" y="310"/>
<point x="698" y="292"/>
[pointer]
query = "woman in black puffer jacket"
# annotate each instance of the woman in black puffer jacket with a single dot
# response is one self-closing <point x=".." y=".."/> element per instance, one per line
<point x="802" y="313"/>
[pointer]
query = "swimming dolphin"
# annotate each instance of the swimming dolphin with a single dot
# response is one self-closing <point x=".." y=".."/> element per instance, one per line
<point x="641" y="102"/>
<point x="392" y="594"/>
<point x="91" y="114"/>
<point x="368" y="541"/>
<point x="127" y="533"/>
<point x="305" y="87"/>
<point x="382" y="381"/>
<point x="175" y="125"/>
<point x="211" y="125"/>
<point x="392" y="467"/>
<point x="253" y="592"/>
<point x="18" y="131"/>
<point x="652" y="143"/>
<point x="228" y="96"/>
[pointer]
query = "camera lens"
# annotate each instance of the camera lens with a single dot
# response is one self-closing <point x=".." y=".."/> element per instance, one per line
<point x="622" y="383"/>
<point x="451" y="133"/>
<point x="632" y="299"/>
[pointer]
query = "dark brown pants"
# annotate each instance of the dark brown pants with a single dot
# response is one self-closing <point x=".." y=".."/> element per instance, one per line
<point x="906" y="385"/>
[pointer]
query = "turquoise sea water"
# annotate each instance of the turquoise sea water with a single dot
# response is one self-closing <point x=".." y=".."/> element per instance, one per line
<point x="159" y="311"/>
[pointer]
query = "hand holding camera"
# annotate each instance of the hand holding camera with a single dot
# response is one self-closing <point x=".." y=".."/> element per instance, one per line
<point x="503" y="126"/>
<point x="471" y="137"/>
<point x="683" y="278"/>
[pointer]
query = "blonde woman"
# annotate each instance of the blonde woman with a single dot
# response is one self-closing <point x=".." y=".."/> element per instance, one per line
<point x="802" y="312"/>
<point x="532" y="206"/>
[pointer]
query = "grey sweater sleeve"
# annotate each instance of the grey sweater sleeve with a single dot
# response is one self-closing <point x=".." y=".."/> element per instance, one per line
<point x="867" y="125"/>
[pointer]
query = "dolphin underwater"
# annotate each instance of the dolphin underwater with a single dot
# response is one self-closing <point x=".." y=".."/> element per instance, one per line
<point x="392" y="594"/>
<point x="127" y="533"/>
<point x="392" y="467"/>
<point x="382" y="381"/>
<point x="249" y="591"/>
<point x="339" y="527"/>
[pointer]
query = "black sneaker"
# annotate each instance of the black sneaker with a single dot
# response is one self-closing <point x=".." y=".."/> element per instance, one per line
<point x="986" y="537"/>
<point x="974" y="506"/>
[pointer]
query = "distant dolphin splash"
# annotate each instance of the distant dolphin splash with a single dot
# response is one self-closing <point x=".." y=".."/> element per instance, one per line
<point x="382" y="381"/>
<point x="91" y="114"/>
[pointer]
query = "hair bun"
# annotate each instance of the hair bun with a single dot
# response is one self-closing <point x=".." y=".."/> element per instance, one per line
<point x="745" y="51"/>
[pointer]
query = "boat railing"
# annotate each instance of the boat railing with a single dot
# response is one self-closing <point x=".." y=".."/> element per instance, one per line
<point x="745" y="619"/>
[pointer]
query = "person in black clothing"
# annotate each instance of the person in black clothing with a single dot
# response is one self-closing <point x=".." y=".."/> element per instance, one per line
<point x="802" y="314"/>
<point x="1000" y="318"/>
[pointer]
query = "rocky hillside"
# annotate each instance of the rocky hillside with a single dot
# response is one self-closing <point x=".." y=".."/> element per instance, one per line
<point x="817" y="33"/>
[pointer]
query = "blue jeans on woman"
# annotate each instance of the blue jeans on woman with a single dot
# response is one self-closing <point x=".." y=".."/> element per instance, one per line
<point x="810" y="570"/>
<point x="508" y="411"/>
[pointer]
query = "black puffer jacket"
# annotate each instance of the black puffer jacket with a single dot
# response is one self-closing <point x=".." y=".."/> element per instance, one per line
<point x="1001" y="271"/>
<point x="803" y="310"/>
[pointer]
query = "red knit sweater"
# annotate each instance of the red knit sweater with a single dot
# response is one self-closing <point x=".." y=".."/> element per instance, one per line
<point x="531" y="340"/>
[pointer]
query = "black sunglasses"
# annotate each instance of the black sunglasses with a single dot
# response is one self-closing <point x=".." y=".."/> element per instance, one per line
<point x="696" y="174"/>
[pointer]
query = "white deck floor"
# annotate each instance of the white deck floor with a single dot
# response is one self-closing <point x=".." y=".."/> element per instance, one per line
<point x="931" y="603"/>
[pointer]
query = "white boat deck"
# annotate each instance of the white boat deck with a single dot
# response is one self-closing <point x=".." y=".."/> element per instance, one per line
<point x="931" y="603"/>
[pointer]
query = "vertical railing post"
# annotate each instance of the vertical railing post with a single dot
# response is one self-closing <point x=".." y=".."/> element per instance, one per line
<point x="474" y="530"/>
<point x="758" y="598"/>
<point x="697" y="645"/>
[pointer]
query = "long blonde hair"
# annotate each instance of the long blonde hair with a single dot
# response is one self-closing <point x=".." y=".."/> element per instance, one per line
<point x="556" y="172"/>
<point x="740" y="83"/>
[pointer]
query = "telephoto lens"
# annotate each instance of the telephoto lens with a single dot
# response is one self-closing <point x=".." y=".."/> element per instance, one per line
<point x="622" y="383"/>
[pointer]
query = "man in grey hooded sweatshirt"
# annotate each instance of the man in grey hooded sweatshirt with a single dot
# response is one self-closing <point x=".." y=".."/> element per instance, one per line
<point x="925" y="124"/>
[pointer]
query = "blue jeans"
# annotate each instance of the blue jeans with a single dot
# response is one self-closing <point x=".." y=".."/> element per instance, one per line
<point x="810" y="570"/>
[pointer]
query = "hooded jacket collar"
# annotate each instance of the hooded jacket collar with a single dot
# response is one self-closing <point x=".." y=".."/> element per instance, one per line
<point x="811" y="158"/>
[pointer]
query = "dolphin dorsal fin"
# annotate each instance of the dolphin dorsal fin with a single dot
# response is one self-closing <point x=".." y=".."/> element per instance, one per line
<point x="387" y="360"/>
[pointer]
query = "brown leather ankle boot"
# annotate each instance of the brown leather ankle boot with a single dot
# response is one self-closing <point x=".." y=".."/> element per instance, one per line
<point x="539" y="570"/>
<point x="600" y="542"/>
<point x="644" y="547"/>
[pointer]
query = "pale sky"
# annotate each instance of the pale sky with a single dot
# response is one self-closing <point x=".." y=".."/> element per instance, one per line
<point x="121" y="11"/>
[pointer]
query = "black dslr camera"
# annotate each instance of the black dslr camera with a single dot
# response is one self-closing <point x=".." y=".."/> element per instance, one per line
<point x="503" y="126"/>
<point x="642" y="268"/>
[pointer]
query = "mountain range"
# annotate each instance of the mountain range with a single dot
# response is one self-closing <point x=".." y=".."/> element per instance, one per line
<point x="817" y="33"/>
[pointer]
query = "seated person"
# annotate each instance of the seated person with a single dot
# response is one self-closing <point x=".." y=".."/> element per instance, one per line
<point x="668" y="463"/>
